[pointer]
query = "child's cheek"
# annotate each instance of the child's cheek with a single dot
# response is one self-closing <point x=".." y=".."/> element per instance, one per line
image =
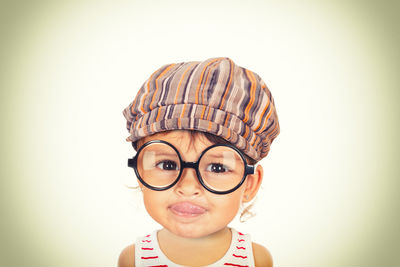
<point x="153" y="201"/>
<point x="229" y="204"/>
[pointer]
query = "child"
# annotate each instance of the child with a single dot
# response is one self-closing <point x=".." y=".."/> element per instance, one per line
<point x="199" y="128"/>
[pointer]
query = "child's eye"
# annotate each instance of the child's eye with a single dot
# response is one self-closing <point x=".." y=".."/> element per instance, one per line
<point x="217" y="168"/>
<point x="167" y="165"/>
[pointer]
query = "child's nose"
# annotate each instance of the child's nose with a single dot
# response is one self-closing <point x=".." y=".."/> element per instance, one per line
<point x="188" y="184"/>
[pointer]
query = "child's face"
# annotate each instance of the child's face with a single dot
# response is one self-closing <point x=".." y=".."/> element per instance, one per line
<point x="188" y="209"/>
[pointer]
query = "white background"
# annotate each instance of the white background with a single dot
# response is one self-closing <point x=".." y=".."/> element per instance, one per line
<point x="78" y="65"/>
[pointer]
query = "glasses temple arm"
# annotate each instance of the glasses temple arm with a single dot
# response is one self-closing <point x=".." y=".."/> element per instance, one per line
<point x="249" y="169"/>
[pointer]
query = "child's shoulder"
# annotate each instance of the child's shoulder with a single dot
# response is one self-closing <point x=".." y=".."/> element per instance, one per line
<point x="262" y="257"/>
<point x="127" y="257"/>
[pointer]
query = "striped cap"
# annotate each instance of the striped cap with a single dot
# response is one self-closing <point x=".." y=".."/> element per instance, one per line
<point x="214" y="96"/>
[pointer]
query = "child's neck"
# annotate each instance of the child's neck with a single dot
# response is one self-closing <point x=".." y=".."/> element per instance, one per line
<point x="195" y="251"/>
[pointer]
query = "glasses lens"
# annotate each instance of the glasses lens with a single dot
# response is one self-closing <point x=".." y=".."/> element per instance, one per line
<point x="158" y="165"/>
<point x="221" y="168"/>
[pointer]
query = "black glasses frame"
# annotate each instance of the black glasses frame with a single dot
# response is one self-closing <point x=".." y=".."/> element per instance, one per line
<point x="132" y="162"/>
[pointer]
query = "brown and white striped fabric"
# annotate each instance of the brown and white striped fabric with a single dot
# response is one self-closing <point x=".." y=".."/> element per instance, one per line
<point x="214" y="96"/>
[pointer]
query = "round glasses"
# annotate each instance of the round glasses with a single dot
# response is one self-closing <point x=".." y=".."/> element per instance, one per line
<point x="221" y="168"/>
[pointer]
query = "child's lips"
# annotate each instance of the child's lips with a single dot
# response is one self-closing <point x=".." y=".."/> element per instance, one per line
<point x="187" y="209"/>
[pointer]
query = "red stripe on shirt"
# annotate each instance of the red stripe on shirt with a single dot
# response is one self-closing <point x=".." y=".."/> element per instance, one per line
<point x="149" y="258"/>
<point x="239" y="256"/>
<point x="237" y="265"/>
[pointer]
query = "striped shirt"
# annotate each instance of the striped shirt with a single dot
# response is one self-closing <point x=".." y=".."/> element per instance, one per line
<point x="149" y="254"/>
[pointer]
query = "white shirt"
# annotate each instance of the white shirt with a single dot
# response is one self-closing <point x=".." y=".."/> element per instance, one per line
<point x="239" y="254"/>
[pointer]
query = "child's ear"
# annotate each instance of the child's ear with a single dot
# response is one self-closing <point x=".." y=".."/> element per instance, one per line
<point x="253" y="183"/>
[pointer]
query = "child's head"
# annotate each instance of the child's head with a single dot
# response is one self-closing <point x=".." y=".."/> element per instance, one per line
<point x="179" y="113"/>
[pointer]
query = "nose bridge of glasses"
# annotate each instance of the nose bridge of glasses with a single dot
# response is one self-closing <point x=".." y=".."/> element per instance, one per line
<point x="188" y="183"/>
<point x="188" y="164"/>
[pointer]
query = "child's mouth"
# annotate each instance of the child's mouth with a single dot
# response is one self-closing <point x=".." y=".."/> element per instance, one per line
<point x="187" y="209"/>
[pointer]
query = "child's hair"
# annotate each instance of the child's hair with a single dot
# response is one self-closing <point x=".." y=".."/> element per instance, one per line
<point x="225" y="102"/>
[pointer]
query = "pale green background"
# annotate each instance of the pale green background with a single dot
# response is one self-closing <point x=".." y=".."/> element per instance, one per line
<point x="68" y="68"/>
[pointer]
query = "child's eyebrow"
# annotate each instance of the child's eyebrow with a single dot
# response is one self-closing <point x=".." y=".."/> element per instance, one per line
<point x="219" y="155"/>
<point x="160" y="153"/>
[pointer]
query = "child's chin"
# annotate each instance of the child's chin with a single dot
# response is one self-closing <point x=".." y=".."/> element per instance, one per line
<point x="189" y="232"/>
<point x="194" y="231"/>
